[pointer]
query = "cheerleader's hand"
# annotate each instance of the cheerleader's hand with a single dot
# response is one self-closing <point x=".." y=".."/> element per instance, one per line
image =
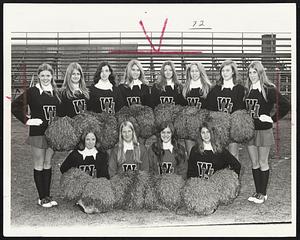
<point x="34" y="122"/>
<point x="265" y="118"/>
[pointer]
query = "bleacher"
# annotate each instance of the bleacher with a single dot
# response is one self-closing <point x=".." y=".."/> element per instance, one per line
<point x="29" y="50"/>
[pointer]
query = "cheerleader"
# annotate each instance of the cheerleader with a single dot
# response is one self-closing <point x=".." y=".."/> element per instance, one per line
<point x="89" y="159"/>
<point x="208" y="156"/>
<point x="228" y="95"/>
<point x="195" y="91"/>
<point x="128" y="154"/>
<point x="135" y="88"/>
<point x="260" y="100"/>
<point x="43" y="101"/>
<point x="74" y="93"/>
<point x="166" y="155"/>
<point x="167" y="89"/>
<point x="104" y="95"/>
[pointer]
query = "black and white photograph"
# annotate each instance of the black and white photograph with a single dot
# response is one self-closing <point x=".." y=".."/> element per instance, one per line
<point x="137" y="120"/>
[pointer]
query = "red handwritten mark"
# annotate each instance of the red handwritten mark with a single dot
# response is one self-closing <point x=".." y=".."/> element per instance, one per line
<point x="8" y="97"/>
<point x="277" y="112"/>
<point x="156" y="51"/>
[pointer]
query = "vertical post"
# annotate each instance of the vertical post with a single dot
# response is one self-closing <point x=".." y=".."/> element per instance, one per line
<point x="277" y="71"/>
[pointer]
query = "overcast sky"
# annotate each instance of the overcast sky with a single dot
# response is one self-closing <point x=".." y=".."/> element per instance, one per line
<point x="115" y="17"/>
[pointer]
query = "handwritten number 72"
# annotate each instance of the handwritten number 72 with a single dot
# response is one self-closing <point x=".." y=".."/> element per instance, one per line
<point x="198" y="23"/>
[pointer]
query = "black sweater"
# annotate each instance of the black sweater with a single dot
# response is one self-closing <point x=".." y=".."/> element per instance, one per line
<point x="105" y="100"/>
<point x="42" y="106"/>
<point x="257" y="105"/>
<point x="226" y="100"/>
<point x="170" y="95"/>
<point x="207" y="163"/>
<point x="136" y="95"/>
<point x="194" y="98"/>
<point x="95" y="168"/>
<point x="72" y="106"/>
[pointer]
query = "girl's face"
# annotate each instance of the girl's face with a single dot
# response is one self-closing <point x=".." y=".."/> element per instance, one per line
<point x="105" y="73"/>
<point x="127" y="134"/>
<point x="227" y="72"/>
<point x="168" y="72"/>
<point x="75" y="77"/>
<point x="195" y="73"/>
<point x="90" y="140"/>
<point x="135" y="72"/>
<point x="166" y="135"/>
<point x="45" y="78"/>
<point x="253" y="75"/>
<point x="205" y="135"/>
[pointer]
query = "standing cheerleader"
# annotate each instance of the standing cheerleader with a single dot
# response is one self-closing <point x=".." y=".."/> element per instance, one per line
<point x="166" y="155"/>
<point x="43" y="101"/>
<point x="260" y="100"/>
<point x="74" y="93"/>
<point x="208" y="156"/>
<point x="128" y="154"/>
<point x="135" y="88"/>
<point x="228" y="95"/>
<point x="104" y="95"/>
<point x="195" y="91"/>
<point x="167" y="89"/>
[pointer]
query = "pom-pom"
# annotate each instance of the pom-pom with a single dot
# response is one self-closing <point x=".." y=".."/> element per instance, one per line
<point x="135" y="198"/>
<point x="121" y="184"/>
<point x="227" y="184"/>
<point x="151" y="198"/>
<point x="61" y="135"/>
<point x="108" y="135"/>
<point x="125" y="114"/>
<point x="200" y="196"/>
<point x="73" y="182"/>
<point x="221" y="122"/>
<point x="145" y="119"/>
<point x="168" y="189"/>
<point x="99" y="194"/>
<point x="242" y="126"/>
<point x="166" y="112"/>
<point x="188" y="122"/>
<point x="86" y="121"/>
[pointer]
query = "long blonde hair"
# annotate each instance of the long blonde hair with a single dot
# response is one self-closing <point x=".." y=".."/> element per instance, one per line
<point x="262" y="76"/>
<point x="206" y="84"/>
<point x="127" y="75"/>
<point x="67" y="86"/>
<point x="136" y="145"/>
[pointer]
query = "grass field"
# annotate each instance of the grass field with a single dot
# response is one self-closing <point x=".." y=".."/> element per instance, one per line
<point x="26" y="213"/>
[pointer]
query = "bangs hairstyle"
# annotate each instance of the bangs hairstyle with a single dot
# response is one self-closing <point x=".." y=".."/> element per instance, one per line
<point x="235" y="76"/>
<point x="157" y="147"/>
<point x="68" y="88"/>
<point x="136" y="146"/>
<point x="206" y="84"/>
<point x="216" y="146"/>
<point x="97" y="75"/>
<point x="262" y="76"/>
<point x="127" y="75"/>
<point x="81" y="144"/>
<point x="162" y="81"/>
<point x="48" y="67"/>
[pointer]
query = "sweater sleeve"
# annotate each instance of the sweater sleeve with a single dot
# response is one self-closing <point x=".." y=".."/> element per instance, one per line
<point x="20" y="105"/>
<point x="283" y="106"/>
<point x="113" y="163"/>
<point x="120" y="99"/>
<point x="192" y="170"/>
<point x="69" y="162"/>
<point x="102" y="158"/>
<point x="152" y="160"/>
<point x="232" y="162"/>
<point x="241" y="98"/>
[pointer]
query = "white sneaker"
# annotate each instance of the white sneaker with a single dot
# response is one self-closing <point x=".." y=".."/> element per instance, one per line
<point x="44" y="203"/>
<point x="253" y="197"/>
<point x="53" y="202"/>
<point x="260" y="198"/>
